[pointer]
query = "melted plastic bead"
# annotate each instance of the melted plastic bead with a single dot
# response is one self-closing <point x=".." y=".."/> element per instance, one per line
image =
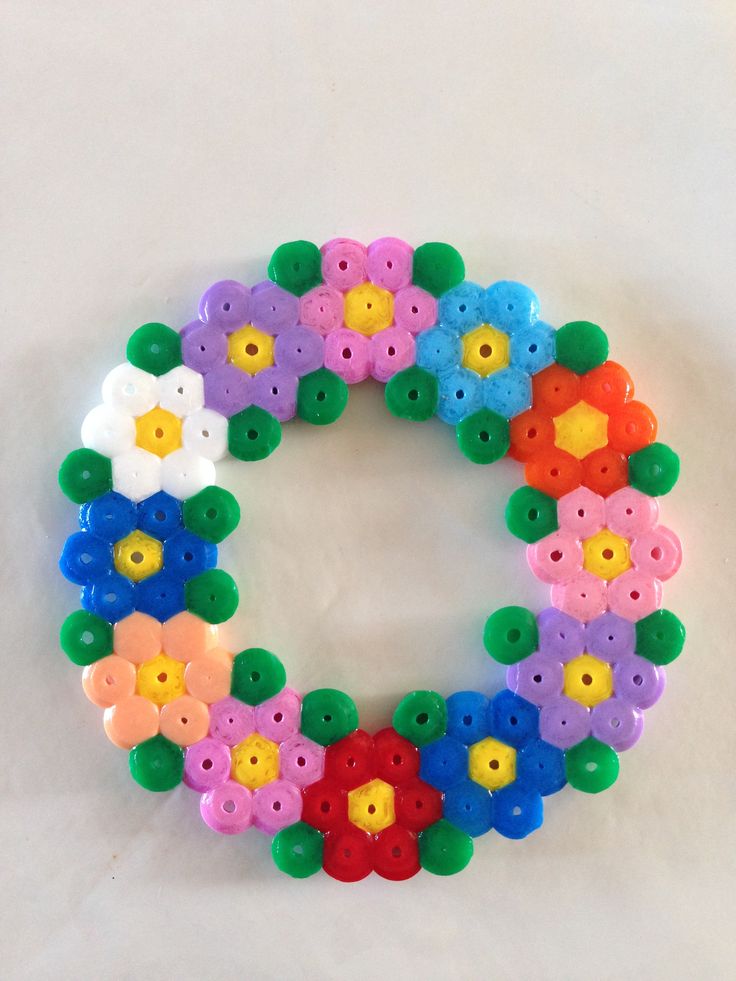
<point x="296" y="266"/>
<point x="276" y="806"/>
<point x="389" y="263"/>
<point x="417" y="805"/>
<point x="630" y="513"/>
<point x="507" y="392"/>
<point x="607" y="386"/>
<point x="461" y="309"/>
<point x="510" y="306"/>
<point x="136" y="474"/>
<point x="299" y="351"/>
<point x="580" y="430"/>
<point x="274" y="389"/>
<point x="253" y="434"/>
<point x="395" y="759"/>
<point x="512" y="719"/>
<point x="85" y="638"/>
<point x="184" y="473"/>
<point x="257" y="676"/>
<point x="154" y="348"/>
<point x="467" y="716"/>
<point x="84" y="558"/>
<point x="438" y="350"/>
<point x="437" y="267"/>
<point x="368" y="309"/>
<point x="556" y="558"/>
<point x="343" y="263"/>
<point x="225" y="305"/>
<point x="181" y="391"/>
<point x="108" y="680"/>
<point x="421" y="717"/>
<point x="320" y="309"/>
<point x="610" y="637"/>
<point x="632" y="427"/>
<point x="206" y="765"/>
<point x="250" y="349"/>
<point x="371" y="806"/>
<point x="85" y="475"/>
<point x="161" y="595"/>
<point x="541" y="767"/>
<point x="110" y="517"/>
<point x="634" y="595"/>
<point x="531" y="431"/>
<point x="657" y="553"/>
<point x="273" y="309"/>
<point x="392" y="350"/>
<point x="654" y="469"/>
<point x="137" y="638"/>
<point x="582" y="512"/>
<point x="321" y="397"/>
<point x="278" y="717"/>
<point x="485" y="350"/>
<point x="467" y="805"/>
<point x="591" y="766"/>
<point x="159" y="515"/>
<point x="444" y="762"/>
<point x="108" y="431"/>
<point x="130" y="390"/>
<point x="483" y="437"/>
<point x="588" y="680"/>
<point x="110" y="596"/>
<point x="227" y="808"/>
<point x="131" y="721"/>
<point x="583" y="597"/>
<point x="184" y="721"/>
<point x="444" y="849"/>
<point x="491" y="763"/>
<point x="396" y="854"/>
<point x="325" y="806"/>
<point x="255" y="761"/>
<point x="581" y="346"/>
<point x="533" y="347"/>
<point x="212" y="514"/>
<point x="161" y="679"/>
<point x="349" y="761"/>
<point x="213" y="596"/>
<point x="138" y="556"/>
<point x="412" y="394"/>
<point x="298" y="850"/>
<point x="157" y="764"/>
<point x="348" y="354"/>
<point x="660" y="637"/>
<point x="560" y="636"/>
<point x="347" y="855"/>
<point x="460" y="395"/>
<point x="605" y="471"/>
<point x="226" y="390"/>
<point x="638" y="681"/>
<point x="606" y="555"/>
<point x="208" y="678"/>
<point x="231" y="721"/>
<point x="554" y="472"/>
<point x="510" y="634"/>
<point x="617" y="724"/>
<point x="328" y="715"/>
<point x="517" y="811"/>
<point x="563" y="723"/>
<point x="415" y="310"/>
<point x="204" y="348"/>
<point x="187" y="638"/>
<point x="302" y="760"/>
<point x="556" y="389"/>
<point x="531" y="515"/>
<point x="537" y="678"/>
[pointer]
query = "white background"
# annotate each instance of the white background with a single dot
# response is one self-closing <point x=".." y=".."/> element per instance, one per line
<point x="585" y="148"/>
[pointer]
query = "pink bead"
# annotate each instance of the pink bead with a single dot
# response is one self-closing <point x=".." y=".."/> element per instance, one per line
<point x="231" y="720"/>
<point x="391" y="350"/>
<point x="582" y="597"/>
<point x="276" y="806"/>
<point x="616" y="723"/>
<point x="581" y="512"/>
<point x="414" y="309"/>
<point x="390" y="263"/>
<point x="657" y="553"/>
<point x="278" y="717"/>
<point x="556" y="558"/>
<point x="634" y="595"/>
<point x="228" y="808"/>
<point x="302" y="761"/>
<point x="321" y="308"/>
<point x="630" y="513"/>
<point x="206" y="765"/>
<point x="343" y="263"/>
<point x="348" y="354"/>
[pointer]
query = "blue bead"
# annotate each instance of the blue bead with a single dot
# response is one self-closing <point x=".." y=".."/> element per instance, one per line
<point x="111" y="597"/>
<point x="507" y="392"/>
<point x="160" y="515"/>
<point x="469" y="807"/>
<point x="460" y="395"/>
<point x="510" y="306"/>
<point x="541" y="767"/>
<point x="186" y="555"/>
<point x="517" y="811"/>
<point x="461" y="309"/>
<point x="512" y="719"/>
<point x="533" y="347"/>
<point x="467" y="716"/>
<point x="444" y="763"/>
<point x="161" y="596"/>
<point x="111" y="516"/>
<point x="438" y="350"/>
<point x="85" y="557"/>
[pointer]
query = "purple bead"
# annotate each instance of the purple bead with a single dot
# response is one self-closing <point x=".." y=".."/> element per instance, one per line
<point x="302" y="761"/>
<point x="274" y="389"/>
<point x="225" y="305"/>
<point x="564" y="722"/>
<point x="204" y="348"/>
<point x="227" y="808"/>
<point x="276" y="805"/>
<point x="610" y="637"/>
<point x="188" y="328"/>
<point x="272" y="308"/>
<point x="560" y="635"/>
<point x="538" y="678"/>
<point x="227" y="389"/>
<point x="206" y="764"/>
<point x="638" y="681"/>
<point x="299" y="350"/>
<point x="616" y="723"/>
<point x="278" y="718"/>
<point x="231" y="720"/>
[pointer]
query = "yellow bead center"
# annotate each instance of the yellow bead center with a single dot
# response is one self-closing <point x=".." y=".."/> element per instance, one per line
<point x="158" y="431"/>
<point x="250" y="349"/>
<point x="161" y="679"/>
<point x="492" y="763"/>
<point x="588" y="680"/>
<point x="581" y="430"/>
<point x="368" y="309"/>
<point x="606" y="555"/>
<point x="138" y="556"/>
<point x="485" y="350"/>
<point x="255" y="761"/>
<point x="371" y="806"/>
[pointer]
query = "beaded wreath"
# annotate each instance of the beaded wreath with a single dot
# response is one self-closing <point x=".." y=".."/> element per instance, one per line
<point x="579" y="675"/>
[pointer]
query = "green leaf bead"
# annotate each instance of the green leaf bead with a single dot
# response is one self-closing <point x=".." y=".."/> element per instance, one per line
<point x="328" y="715"/>
<point x="654" y="470"/>
<point x="437" y="268"/>
<point x="511" y="634"/>
<point x="212" y="595"/>
<point x="155" y="348"/>
<point x="444" y="849"/>
<point x="85" y="637"/>
<point x="257" y="675"/>
<point x="157" y="764"/>
<point x="581" y="346"/>
<point x="421" y="717"/>
<point x="531" y="514"/>
<point x="484" y="436"/>
<point x="412" y="394"/>
<point x="660" y="637"/>
<point x="321" y="397"/>
<point x="253" y="434"/>
<point x="84" y="475"/>
<point x="297" y="850"/>
<point x="213" y="514"/>
<point x="591" y="766"/>
<point x="296" y="267"/>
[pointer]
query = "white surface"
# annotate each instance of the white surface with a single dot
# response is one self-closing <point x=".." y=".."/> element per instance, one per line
<point x="586" y="148"/>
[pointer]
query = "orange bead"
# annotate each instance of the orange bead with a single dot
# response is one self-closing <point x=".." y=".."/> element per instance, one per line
<point x="555" y="390"/>
<point x="605" y="471"/>
<point x="187" y="637"/>
<point x="137" y="638"/>
<point x="531" y="432"/>
<point x="108" y="680"/>
<point x="184" y="721"/>
<point x="607" y="387"/>
<point x="208" y="678"/>
<point x="130" y="721"/>
<point x="632" y="427"/>
<point x="554" y="472"/>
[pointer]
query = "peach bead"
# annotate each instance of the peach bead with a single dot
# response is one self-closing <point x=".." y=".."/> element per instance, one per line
<point x="137" y="638"/>
<point x="184" y="721"/>
<point x="187" y="637"/>
<point x="130" y="721"/>
<point x="108" y="680"/>
<point x="208" y="678"/>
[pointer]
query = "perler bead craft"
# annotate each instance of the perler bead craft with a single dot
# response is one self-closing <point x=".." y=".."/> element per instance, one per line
<point x="580" y="674"/>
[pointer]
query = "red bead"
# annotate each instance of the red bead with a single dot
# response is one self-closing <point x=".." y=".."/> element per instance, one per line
<point x="325" y="806"/>
<point x="349" y="762"/>
<point x="347" y="855"/>
<point x="396" y="760"/>
<point x="396" y="853"/>
<point x="417" y="805"/>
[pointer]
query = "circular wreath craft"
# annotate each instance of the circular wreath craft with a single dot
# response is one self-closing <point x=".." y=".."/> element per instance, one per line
<point x="580" y="674"/>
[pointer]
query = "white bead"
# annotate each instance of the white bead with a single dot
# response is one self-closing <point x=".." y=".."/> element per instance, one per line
<point x="136" y="474"/>
<point x="108" y="431"/>
<point x="184" y="473"/>
<point x="130" y="390"/>
<point x="205" y="432"/>
<point x="181" y="391"/>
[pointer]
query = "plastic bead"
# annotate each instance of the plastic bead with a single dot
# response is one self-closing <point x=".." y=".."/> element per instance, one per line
<point x="591" y="766"/>
<point x="421" y="717"/>
<point x="85" y="638"/>
<point x="582" y="512"/>
<point x="278" y="717"/>
<point x="347" y="855"/>
<point x="157" y="764"/>
<point x="607" y="386"/>
<point x="491" y="763"/>
<point x="84" y="558"/>
<point x="206" y="765"/>
<point x="154" y="348"/>
<point x="588" y="680"/>
<point x="131" y="721"/>
<point x="161" y="596"/>
<point x="208" y="678"/>
<point x="297" y="850"/>
<point x="657" y="553"/>
<point x="185" y="473"/>
<point x="605" y="471"/>
<point x="654" y="469"/>
<point x="253" y="434"/>
<point x="541" y="766"/>
<point x="161" y="679"/>
<point x="483" y="437"/>
<point x="630" y="513"/>
<point x="321" y="309"/>
<point x="227" y="390"/>
<point x="110" y="596"/>
<point x="583" y="597"/>
<point x="468" y="806"/>
<point x="349" y="761"/>
<point x="530" y="432"/>
<point x="660" y="637"/>
<point x="392" y="350"/>
<point x="274" y="389"/>
<point x="321" y="397"/>
<point x="437" y="267"/>
<point x="563" y="722"/>
<point x="438" y="350"/>
<point x="395" y="759"/>
<point x="632" y="427"/>
<point x="110" y="517"/>
<point x="328" y="715"/>
<point x="368" y="309"/>
<point x="485" y="350"/>
<point x="513" y="719"/>
<point x="634" y="595"/>
<point x="371" y="806"/>
<point x="560" y="636"/>
<point x="510" y="634"/>
<point x="444" y="762"/>
<point x="212" y="514"/>
<point x="225" y="305"/>
<point x="396" y="854"/>
<point x="554" y="472"/>
<point x="296" y="266"/>
<point x="444" y="849"/>
<point x="533" y="347"/>
<point x="204" y="348"/>
<point x="227" y="808"/>
<point x="417" y="805"/>
<point x="255" y="761"/>
<point x="130" y="390"/>
<point x="581" y="346"/>
<point x="555" y="558"/>
<point x="461" y="308"/>
<point x="638" y="681"/>
<point x="108" y="431"/>
<point x="159" y="515"/>
<point x="325" y="806"/>
<point x="510" y="306"/>
<point x="348" y="354"/>
<point x="85" y="475"/>
<point x="138" y="556"/>
<point x="617" y="724"/>
<point x="299" y="351"/>
<point x="231" y="721"/>
<point x="276" y="806"/>
<point x="184" y="721"/>
<point x="412" y="394"/>
<point x="213" y="596"/>
<point x="136" y="474"/>
<point x="610" y="637"/>
<point x="517" y="811"/>
<point x="137" y="638"/>
<point x="538" y="678"/>
<point x="389" y="263"/>
<point x="415" y="310"/>
<point x="467" y="716"/>
<point x="187" y="638"/>
<point x="108" y="680"/>
<point x="302" y="760"/>
<point x="460" y="395"/>
<point x="257" y="676"/>
<point x="556" y="389"/>
<point x="507" y="392"/>
<point x="181" y="391"/>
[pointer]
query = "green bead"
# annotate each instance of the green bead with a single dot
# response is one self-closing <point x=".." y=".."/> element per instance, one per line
<point x="212" y="595"/>
<point x="157" y="764"/>
<point x="654" y="470"/>
<point x="591" y="766"/>
<point x="484" y="436"/>
<point x="253" y="434"/>
<point x="155" y="348"/>
<point x="328" y="715"/>
<point x="85" y="638"/>
<point x="297" y="850"/>
<point x="531" y="515"/>
<point x="257" y="675"/>
<point x="437" y="268"/>
<point x="296" y="267"/>
<point x="213" y="514"/>
<point x="444" y="849"/>
<point x="412" y="394"/>
<point x="660" y="637"/>
<point x="321" y="397"/>
<point x="85" y="475"/>
<point x="511" y="634"/>
<point x="580" y="346"/>
<point x="421" y="717"/>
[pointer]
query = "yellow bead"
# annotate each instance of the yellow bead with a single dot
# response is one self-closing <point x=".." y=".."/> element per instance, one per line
<point x="371" y="806"/>
<point x="606" y="555"/>
<point x="158" y="431"/>
<point x="250" y="349"/>
<point x="255" y="761"/>
<point x="138" y="556"/>
<point x="368" y="308"/>
<point x="588" y="680"/>
<point x="492" y="764"/>
<point x="161" y="679"/>
<point x="486" y="350"/>
<point x="581" y="430"/>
